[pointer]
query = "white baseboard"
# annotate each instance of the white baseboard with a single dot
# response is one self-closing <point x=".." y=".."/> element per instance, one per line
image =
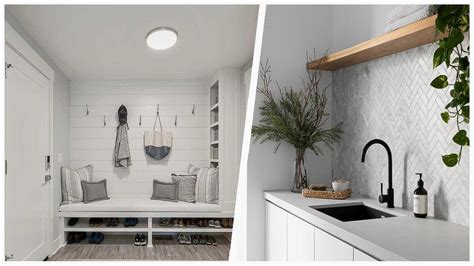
<point x="56" y="245"/>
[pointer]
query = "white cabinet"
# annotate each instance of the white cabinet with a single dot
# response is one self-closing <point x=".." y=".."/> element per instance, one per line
<point x="300" y="239"/>
<point x="276" y="234"/>
<point x="329" y="248"/>
<point x="361" y="256"/>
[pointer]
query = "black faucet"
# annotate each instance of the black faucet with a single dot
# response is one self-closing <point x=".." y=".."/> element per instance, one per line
<point x="389" y="197"/>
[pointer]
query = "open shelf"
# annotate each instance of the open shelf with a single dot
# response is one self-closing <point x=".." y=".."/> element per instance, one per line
<point x="413" y="35"/>
<point x="83" y="226"/>
<point x="214" y="124"/>
<point x="215" y="142"/>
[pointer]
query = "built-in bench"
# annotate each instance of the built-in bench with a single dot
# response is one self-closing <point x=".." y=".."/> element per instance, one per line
<point x="148" y="211"/>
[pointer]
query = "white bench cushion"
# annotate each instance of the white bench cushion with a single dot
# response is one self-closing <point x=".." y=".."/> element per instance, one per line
<point x="139" y="205"/>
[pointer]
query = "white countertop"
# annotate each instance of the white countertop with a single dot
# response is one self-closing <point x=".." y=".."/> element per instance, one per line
<point x="404" y="237"/>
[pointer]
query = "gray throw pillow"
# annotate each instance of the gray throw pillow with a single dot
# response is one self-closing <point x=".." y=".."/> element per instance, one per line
<point x="94" y="191"/>
<point x="186" y="187"/>
<point x="71" y="187"/>
<point x="165" y="191"/>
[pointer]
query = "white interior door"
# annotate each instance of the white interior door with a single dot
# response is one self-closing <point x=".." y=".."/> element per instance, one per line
<point x="27" y="199"/>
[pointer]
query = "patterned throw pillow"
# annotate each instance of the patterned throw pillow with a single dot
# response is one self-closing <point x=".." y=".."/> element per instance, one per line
<point x="186" y="187"/>
<point x="207" y="184"/>
<point x="71" y="183"/>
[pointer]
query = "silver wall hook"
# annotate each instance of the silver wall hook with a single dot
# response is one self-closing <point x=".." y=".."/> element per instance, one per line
<point x="176" y="120"/>
<point x="194" y="108"/>
<point x="87" y="109"/>
<point x="105" y="122"/>
<point x="140" y="121"/>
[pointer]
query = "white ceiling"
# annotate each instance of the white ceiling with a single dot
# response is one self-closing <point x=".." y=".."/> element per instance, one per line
<point x="108" y="42"/>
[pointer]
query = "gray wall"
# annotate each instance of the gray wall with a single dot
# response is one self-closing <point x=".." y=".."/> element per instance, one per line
<point x="289" y="32"/>
<point x="61" y="119"/>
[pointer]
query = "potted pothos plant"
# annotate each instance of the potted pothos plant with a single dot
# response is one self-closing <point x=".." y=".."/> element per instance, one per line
<point x="453" y="21"/>
<point x="296" y="117"/>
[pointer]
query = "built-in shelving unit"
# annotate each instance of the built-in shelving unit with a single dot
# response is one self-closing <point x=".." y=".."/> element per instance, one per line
<point x="413" y="35"/>
<point x="214" y="125"/>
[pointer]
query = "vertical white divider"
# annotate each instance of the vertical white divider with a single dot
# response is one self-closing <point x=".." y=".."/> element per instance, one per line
<point x="150" y="232"/>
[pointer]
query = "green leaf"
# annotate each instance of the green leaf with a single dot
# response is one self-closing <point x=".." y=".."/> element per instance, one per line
<point x="445" y="116"/>
<point x="455" y="37"/>
<point x="465" y="111"/>
<point x="450" y="160"/>
<point x="438" y="57"/>
<point x="463" y="63"/>
<point x="440" y="82"/>
<point x="461" y="138"/>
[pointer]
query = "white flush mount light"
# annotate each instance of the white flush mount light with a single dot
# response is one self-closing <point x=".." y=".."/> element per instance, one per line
<point x="161" y="38"/>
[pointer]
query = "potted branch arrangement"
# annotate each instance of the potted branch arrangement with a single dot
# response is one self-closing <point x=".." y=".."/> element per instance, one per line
<point x="296" y="117"/>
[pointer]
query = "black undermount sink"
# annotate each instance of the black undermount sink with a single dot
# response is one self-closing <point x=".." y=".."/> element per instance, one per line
<point x="347" y="213"/>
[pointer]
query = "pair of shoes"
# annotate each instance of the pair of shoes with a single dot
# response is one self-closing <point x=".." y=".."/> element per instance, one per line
<point x="72" y="221"/>
<point x="227" y="222"/>
<point x="75" y="237"/>
<point x="96" y="222"/>
<point x="130" y="222"/>
<point x="111" y="222"/>
<point x="140" y="240"/>
<point x="96" y="238"/>
<point x="184" y="239"/>
<point x="166" y="222"/>
<point x="214" y="223"/>
<point x="200" y="239"/>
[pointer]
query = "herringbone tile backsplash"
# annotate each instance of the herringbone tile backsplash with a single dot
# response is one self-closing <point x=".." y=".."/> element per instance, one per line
<point x="391" y="98"/>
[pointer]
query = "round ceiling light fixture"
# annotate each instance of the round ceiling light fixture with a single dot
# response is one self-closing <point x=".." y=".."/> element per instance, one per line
<point x="161" y="38"/>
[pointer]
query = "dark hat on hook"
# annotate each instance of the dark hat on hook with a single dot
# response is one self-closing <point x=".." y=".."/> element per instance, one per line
<point x="122" y="114"/>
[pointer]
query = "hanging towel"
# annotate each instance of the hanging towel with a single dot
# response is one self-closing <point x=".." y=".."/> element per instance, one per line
<point x="158" y="143"/>
<point x="122" y="149"/>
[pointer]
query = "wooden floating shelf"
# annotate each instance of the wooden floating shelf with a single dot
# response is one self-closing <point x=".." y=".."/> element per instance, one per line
<point x="413" y="35"/>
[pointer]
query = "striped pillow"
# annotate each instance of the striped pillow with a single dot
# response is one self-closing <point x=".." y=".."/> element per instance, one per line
<point x="71" y="183"/>
<point x="207" y="184"/>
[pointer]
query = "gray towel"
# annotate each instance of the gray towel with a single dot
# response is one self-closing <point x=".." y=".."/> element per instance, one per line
<point x="122" y="150"/>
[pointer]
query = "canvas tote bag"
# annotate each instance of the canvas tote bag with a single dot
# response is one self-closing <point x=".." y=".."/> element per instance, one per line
<point x="158" y="143"/>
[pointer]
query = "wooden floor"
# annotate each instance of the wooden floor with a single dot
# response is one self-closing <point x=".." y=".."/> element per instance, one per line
<point x="122" y="248"/>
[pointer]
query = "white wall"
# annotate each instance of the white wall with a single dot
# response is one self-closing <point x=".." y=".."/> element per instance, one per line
<point x="353" y="24"/>
<point x="61" y="131"/>
<point x="289" y="32"/>
<point x="93" y="143"/>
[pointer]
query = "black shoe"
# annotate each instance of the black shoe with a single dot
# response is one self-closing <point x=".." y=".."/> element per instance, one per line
<point x="213" y="240"/>
<point x="202" y="241"/>
<point x="143" y="240"/>
<point x="79" y="236"/>
<point x="195" y="240"/>
<point x="137" y="240"/>
<point x="72" y="221"/>
<point x="70" y="238"/>
<point x="133" y="221"/>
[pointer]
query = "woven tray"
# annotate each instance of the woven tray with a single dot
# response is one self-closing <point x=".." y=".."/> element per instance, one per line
<point x="326" y="194"/>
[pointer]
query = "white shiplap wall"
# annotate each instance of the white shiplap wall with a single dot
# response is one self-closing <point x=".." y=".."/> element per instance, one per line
<point x="93" y="143"/>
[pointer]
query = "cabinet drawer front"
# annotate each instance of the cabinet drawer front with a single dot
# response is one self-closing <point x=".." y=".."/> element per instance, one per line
<point x="300" y="239"/>
<point x="276" y="234"/>
<point x="329" y="248"/>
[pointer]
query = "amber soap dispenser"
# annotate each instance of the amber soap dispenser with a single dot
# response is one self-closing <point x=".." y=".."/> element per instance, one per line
<point x="420" y="200"/>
